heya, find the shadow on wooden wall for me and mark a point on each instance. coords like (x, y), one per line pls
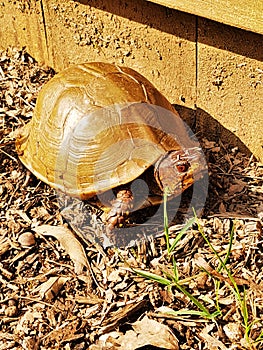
(197, 119)
(222, 36)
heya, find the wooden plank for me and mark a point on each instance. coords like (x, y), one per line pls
(229, 86)
(22, 25)
(160, 47)
(245, 14)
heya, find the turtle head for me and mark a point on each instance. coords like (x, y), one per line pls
(177, 170)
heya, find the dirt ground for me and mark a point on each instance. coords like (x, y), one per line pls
(60, 292)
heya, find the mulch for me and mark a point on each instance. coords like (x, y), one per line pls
(61, 292)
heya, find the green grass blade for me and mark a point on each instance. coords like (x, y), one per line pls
(165, 220)
(194, 300)
(190, 313)
(182, 232)
(229, 248)
(175, 269)
(235, 290)
(152, 276)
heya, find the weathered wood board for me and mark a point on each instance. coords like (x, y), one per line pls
(245, 14)
(22, 24)
(230, 84)
(126, 33)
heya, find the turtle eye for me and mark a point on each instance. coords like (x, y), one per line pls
(182, 168)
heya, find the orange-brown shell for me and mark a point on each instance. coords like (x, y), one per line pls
(95, 127)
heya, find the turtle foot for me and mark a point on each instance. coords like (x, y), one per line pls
(120, 209)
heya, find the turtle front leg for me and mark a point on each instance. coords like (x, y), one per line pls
(120, 209)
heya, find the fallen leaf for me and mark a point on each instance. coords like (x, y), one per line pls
(237, 187)
(212, 342)
(233, 331)
(66, 332)
(114, 276)
(50, 288)
(107, 341)
(208, 144)
(226, 300)
(90, 299)
(148, 332)
(69, 242)
(4, 246)
(222, 208)
(28, 318)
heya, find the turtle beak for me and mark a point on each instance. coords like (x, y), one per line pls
(180, 169)
(197, 167)
(197, 160)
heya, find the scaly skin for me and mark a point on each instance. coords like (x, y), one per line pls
(120, 209)
(174, 172)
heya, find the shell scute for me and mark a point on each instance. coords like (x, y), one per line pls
(95, 127)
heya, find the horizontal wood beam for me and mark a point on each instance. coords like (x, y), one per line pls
(244, 14)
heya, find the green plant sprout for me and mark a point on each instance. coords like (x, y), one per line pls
(173, 280)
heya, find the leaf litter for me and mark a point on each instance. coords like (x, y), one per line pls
(58, 292)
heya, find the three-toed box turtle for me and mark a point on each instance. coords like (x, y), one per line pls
(97, 127)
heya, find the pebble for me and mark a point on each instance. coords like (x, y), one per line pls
(27, 239)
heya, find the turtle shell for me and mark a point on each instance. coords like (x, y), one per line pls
(97, 126)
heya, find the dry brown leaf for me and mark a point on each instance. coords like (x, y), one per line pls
(67, 332)
(50, 288)
(26, 320)
(107, 341)
(222, 208)
(208, 143)
(212, 342)
(4, 246)
(90, 299)
(69, 242)
(233, 331)
(146, 332)
(237, 187)
(228, 300)
(149, 332)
